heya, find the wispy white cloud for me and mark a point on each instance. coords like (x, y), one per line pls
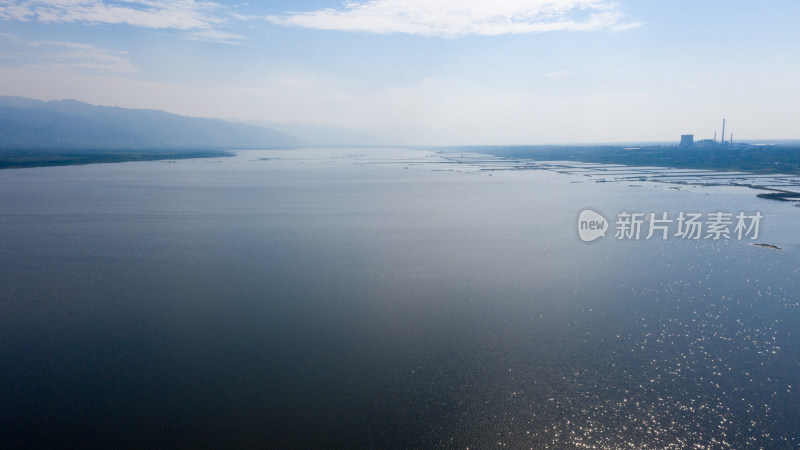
(88, 57)
(218, 36)
(459, 18)
(63, 56)
(559, 74)
(160, 14)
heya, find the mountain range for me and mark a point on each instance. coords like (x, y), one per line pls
(70, 124)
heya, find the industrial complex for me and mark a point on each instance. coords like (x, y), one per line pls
(687, 140)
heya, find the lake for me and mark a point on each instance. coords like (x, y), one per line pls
(385, 298)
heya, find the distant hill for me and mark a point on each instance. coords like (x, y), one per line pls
(70, 124)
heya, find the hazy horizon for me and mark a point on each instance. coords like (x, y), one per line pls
(418, 73)
(329, 136)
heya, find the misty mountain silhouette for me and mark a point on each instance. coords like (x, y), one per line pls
(70, 124)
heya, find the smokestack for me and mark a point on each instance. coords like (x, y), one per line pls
(715, 136)
(723, 131)
(731, 140)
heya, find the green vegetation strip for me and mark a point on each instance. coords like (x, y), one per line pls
(771, 159)
(17, 159)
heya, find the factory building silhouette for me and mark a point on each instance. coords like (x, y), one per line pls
(687, 140)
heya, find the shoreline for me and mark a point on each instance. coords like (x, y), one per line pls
(23, 159)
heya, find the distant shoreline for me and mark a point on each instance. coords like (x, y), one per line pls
(21, 159)
(768, 160)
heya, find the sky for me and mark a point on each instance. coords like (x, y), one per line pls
(425, 72)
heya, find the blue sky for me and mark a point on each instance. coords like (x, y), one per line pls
(425, 72)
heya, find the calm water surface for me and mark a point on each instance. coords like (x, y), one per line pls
(356, 298)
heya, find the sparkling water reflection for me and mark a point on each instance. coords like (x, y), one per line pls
(384, 298)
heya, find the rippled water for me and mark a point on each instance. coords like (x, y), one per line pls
(384, 298)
